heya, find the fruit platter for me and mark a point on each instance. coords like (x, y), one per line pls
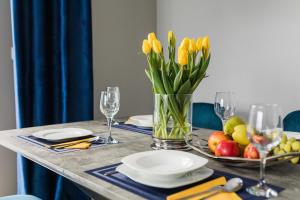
(232, 146)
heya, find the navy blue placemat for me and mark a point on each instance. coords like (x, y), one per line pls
(44, 143)
(153, 193)
(129, 127)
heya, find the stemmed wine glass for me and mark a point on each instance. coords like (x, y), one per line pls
(109, 106)
(224, 106)
(117, 92)
(264, 132)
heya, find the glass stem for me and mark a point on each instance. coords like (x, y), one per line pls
(109, 120)
(262, 167)
(223, 123)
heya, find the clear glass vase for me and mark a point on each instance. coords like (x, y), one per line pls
(172, 120)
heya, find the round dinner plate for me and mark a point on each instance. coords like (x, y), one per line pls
(189, 178)
(166, 164)
(290, 134)
(55, 135)
(143, 121)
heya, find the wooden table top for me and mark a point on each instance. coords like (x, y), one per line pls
(72, 165)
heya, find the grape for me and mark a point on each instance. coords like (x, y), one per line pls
(287, 148)
(295, 160)
(276, 150)
(292, 139)
(281, 146)
(296, 146)
(283, 138)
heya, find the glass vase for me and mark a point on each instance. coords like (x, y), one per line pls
(172, 120)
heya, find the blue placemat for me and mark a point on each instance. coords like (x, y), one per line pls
(129, 127)
(44, 143)
(153, 193)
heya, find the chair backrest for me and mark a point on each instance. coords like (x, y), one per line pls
(204, 116)
(291, 122)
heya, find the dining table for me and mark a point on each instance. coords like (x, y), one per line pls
(73, 165)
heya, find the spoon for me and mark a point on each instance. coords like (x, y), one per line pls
(232, 185)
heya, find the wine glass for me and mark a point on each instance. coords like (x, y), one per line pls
(224, 106)
(117, 91)
(264, 132)
(109, 106)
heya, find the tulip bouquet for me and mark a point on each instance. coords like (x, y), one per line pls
(171, 79)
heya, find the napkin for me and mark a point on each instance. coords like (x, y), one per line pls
(82, 145)
(203, 187)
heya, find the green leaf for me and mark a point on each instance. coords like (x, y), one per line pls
(177, 80)
(195, 85)
(165, 79)
(185, 88)
(148, 74)
(156, 80)
(194, 74)
(204, 66)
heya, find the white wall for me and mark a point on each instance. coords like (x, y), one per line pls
(118, 30)
(255, 47)
(7, 111)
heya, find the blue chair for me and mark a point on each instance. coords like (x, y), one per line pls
(204, 116)
(291, 122)
(19, 197)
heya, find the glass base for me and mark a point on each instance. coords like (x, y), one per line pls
(169, 144)
(111, 140)
(262, 190)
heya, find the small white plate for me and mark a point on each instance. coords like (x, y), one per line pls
(141, 121)
(55, 135)
(166, 164)
(190, 178)
(290, 134)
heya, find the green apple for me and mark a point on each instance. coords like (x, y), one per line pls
(231, 123)
(240, 134)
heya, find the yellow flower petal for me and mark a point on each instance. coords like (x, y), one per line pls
(185, 43)
(206, 43)
(171, 37)
(146, 47)
(151, 38)
(192, 46)
(182, 56)
(199, 44)
(157, 48)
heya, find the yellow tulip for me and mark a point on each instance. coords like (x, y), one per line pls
(151, 38)
(171, 37)
(182, 56)
(192, 46)
(157, 48)
(199, 44)
(185, 43)
(206, 43)
(146, 47)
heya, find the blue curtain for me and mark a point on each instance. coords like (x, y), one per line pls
(53, 79)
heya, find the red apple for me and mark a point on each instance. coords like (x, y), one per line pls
(251, 152)
(215, 138)
(228, 148)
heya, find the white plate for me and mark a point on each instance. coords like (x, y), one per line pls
(190, 178)
(141, 121)
(166, 164)
(292, 134)
(61, 134)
